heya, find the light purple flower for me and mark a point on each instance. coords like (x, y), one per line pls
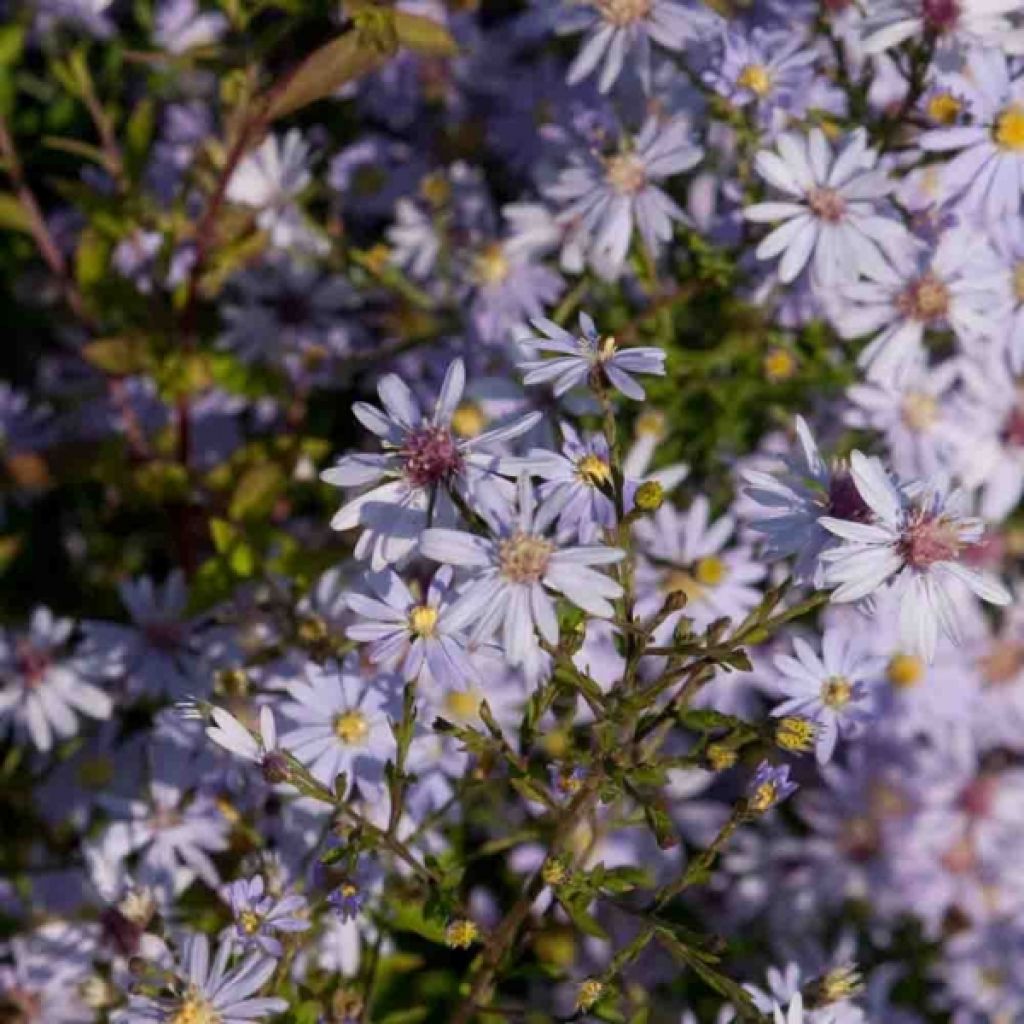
(986, 177)
(834, 688)
(409, 634)
(586, 358)
(259, 914)
(953, 23)
(341, 725)
(769, 786)
(42, 688)
(915, 542)
(830, 214)
(619, 33)
(513, 572)
(216, 992)
(603, 198)
(421, 457)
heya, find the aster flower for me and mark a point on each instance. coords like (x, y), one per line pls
(917, 418)
(989, 448)
(619, 33)
(955, 286)
(576, 484)
(586, 358)
(687, 552)
(181, 26)
(830, 212)
(409, 634)
(42, 689)
(507, 288)
(172, 836)
(341, 725)
(985, 177)
(953, 23)
(833, 688)
(1008, 241)
(603, 198)
(164, 651)
(769, 68)
(421, 454)
(795, 1013)
(270, 179)
(41, 982)
(914, 543)
(258, 915)
(513, 572)
(218, 992)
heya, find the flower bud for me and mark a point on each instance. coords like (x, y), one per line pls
(795, 734)
(589, 992)
(650, 496)
(461, 933)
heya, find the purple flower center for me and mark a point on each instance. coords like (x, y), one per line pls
(164, 635)
(928, 540)
(926, 299)
(119, 932)
(431, 454)
(827, 204)
(1012, 432)
(33, 663)
(940, 15)
(845, 501)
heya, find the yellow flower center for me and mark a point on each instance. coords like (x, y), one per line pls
(1018, 282)
(764, 797)
(836, 692)
(711, 571)
(779, 364)
(683, 582)
(919, 411)
(589, 993)
(196, 1010)
(491, 265)
(756, 78)
(626, 173)
(593, 470)
(523, 558)
(250, 921)
(624, 12)
(462, 705)
(423, 620)
(352, 728)
(925, 299)
(944, 108)
(1009, 131)
(469, 420)
(905, 671)
(651, 424)
(96, 772)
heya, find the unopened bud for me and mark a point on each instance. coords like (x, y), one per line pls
(650, 496)
(795, 734)
(276, 768)
(590, 991)
(233, 681)
(313, 631)
(554, 872)
(461, 934)
(834, 986)
(721, 757)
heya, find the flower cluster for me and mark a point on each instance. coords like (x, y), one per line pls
(512, 510)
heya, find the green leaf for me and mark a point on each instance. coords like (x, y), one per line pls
(412, 1016)
(706, 720)
(12, 40)
(117, 356)
(12, 214)
(424, 35)
(584, 921)
(257, 491)
(323, 72)
(410, 918)
(91, 259)
(659, 822)
(306, 1013)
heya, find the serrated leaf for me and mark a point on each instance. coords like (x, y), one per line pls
(12, 214)
(257, 491)
(424, 35)
(324, 72)
(118, 356)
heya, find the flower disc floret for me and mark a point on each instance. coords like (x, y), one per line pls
(524, 557)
